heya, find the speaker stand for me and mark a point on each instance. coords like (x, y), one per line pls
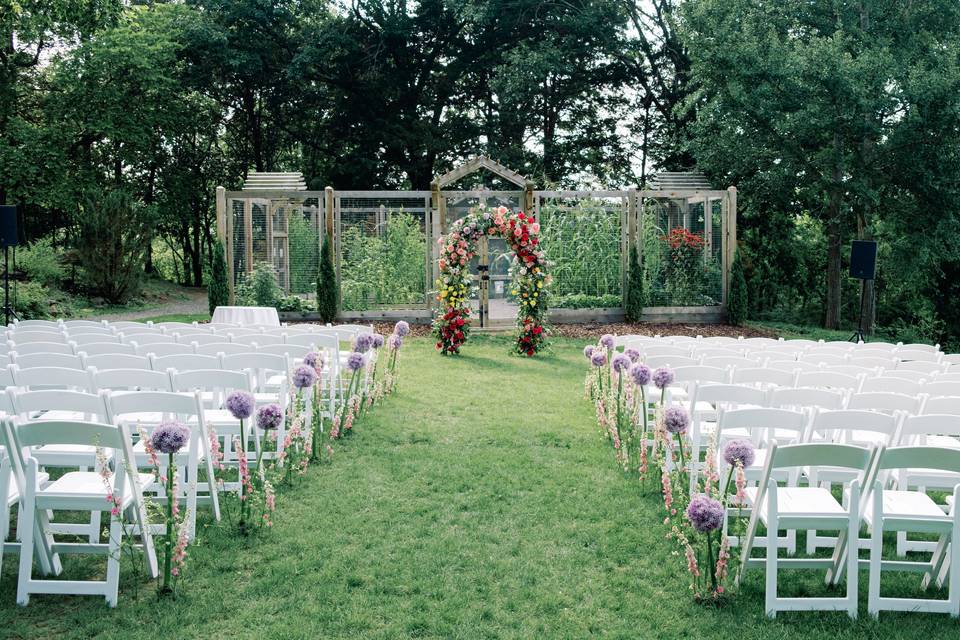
(858, 336)
(7, 309)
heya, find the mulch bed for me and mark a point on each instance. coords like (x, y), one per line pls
(595, 330)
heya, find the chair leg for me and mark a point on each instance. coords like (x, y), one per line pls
(114, 558)
(853, 559)
(25, 574)
(901, 544)
(953, 590)
(876, 563)
(771, 578)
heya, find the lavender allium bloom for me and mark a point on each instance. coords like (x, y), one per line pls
(394, 342)
(240, 405)
(355, 361)
(633, 354)
(620, 362)
(269, 417)
(598, 359)
(640, 374)
(607, 340)
(402, 328)
(741, 451)
(314, 359)
(304, 376)
(169, 437)
(377, 341)
(363, 342)
(588, 351)
(676, 419)
(662, 377)
(705, 513)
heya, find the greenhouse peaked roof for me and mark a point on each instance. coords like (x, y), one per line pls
(475, 164)
(679, 181)
(275, 181)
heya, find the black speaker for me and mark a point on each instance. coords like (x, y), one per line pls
(8, 226)
(863, 259)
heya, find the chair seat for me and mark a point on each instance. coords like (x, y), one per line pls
(89, 484)
(68, 455)
(13, 494)
(799, 502)
(907, 504)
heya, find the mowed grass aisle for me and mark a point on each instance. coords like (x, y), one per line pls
(479, 502)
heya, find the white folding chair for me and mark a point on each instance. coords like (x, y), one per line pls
(30, 325)
(907, 511)
(937, 387)
(795, 508)
(293, 351)
(717, 396)
(807, 397)
(26, 337)
(131, 380)
(51, 378)
(674, 361)
(824, 359)
(134, 409)
(185, 362)
(886, 402)
(225, 348)
(763, 377)
(82, 339)
(74, 491)
(33, 360)
(98, 348)
(873, 362)
(733, 362)
(792, 366)
(164, 349)
(198, 339)
(250, 340)
(131, 326)
(172, 327)
(918, 355)
(926, 368)
(150, 338)
(892, 385)
(117, 361)
(32, 348)
(949, 405)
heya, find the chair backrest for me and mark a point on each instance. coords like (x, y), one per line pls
(666, 350)
(132, 379)
(804, 397)
(951, 358)
(885, 401)
(918, 355)
(31, 348)
(763, 422)
(52, 378)
(304, 339)
(144, 339)
(219, 382)
(226, 348)
(117, 361)
(824, 359)
(828, 380)
(89, 324)
(251, 339)
(30, 403)
(853, 370)
(875, 347)
(261, 365)
(290, 350)
(130, 326)
(240, 331)
(792, 365)
(722, 340)
(731, 361)
(172, 326)
(915, 429)
(919, 346)
(716, 352)
(198, 339)
(98, 348)
(921, 367)
(655, 362)
(35, 325)
(764, 376)
(816, 454)
(183, 406)
(25, 337)
(891, 385)
(698, 374)
(103, 330)
(942, 404)
(844, 422)
(164, 349)
(783, 351)
(872, 361)
(762, 342)
(29, 361)
(184, 362)
(919, 457)
(729, 394)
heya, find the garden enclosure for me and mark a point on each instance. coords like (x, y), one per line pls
(385, 242)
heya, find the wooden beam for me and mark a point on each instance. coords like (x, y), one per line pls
(328, 210)
(222, 214)
(228, 252)
(248, 233)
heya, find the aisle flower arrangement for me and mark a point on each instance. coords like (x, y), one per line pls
(649, 435)
(528, 271)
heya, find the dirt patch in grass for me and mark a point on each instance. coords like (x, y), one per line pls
(591, 330)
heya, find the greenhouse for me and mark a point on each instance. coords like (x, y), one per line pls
(385, 243)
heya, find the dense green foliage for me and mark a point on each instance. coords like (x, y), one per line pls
(328, 293)
(737, 293)
(582, 243)
(383, 268)
(304, 244)
(218, 289)
(636, 287)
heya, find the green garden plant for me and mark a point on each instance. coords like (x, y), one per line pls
(40, 261)
(737, 294)
(218, 290)
(636, 287)
(328, 294)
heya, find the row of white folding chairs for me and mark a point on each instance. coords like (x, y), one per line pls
(38, 340)
(765, 342)
(812, 353)
(866, 500)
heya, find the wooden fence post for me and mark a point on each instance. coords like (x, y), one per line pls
(729, 238)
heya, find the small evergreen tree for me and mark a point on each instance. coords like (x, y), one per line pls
(328, 295)
(264, 285)
(636, 287)
(218, 289)
(737, 294)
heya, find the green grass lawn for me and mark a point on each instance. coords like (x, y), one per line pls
(478, 502)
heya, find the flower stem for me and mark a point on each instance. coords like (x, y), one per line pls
(171, 526)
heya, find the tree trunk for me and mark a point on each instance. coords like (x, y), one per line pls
(197, 252)
(832, 316)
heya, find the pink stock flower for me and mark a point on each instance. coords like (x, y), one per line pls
(692, 566)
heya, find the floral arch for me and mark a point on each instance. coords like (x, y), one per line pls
(528, 271)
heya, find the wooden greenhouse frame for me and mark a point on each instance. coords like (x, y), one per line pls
(276, 191)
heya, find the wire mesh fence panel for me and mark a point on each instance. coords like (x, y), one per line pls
(302, 248)
(583, 238)
(382, 250)
(681, 265)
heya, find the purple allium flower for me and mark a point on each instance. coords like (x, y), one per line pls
(676, 419)
(705, 513)
(620, 362)
(598, 359)
(169, 437)
(402, 328)
(588, 351)
(304, 376)
(633, 354)
(662, 377)
(640, 374)
(377, 341)
(394, 342)
(314, 359)
(607, 340)
(354, 361)
(363, 342)
(240, 404)
(269, 417)
(741, 451)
